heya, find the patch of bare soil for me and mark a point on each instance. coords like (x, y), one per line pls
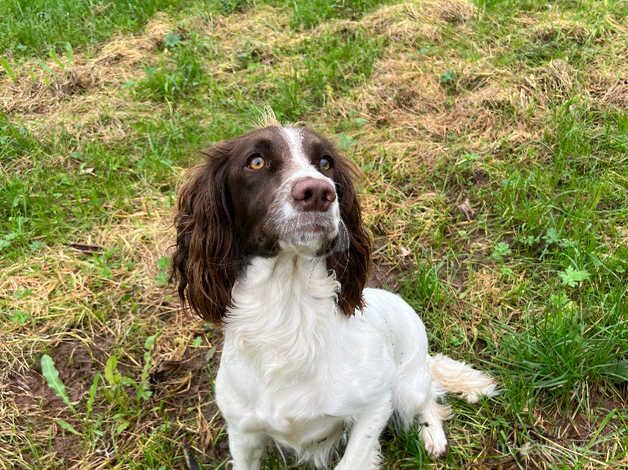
(77, 361)
(33, 404)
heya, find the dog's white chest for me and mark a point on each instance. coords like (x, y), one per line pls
(293, 367)
(298, 428)
(294, 413)
(304, 404)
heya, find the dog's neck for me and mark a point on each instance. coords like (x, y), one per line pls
(283, 310)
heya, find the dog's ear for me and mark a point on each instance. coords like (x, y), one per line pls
(351, 265)
(207, 261)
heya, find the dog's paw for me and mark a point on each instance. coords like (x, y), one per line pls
(434, 440)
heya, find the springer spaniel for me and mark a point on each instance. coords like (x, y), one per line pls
(270, 244)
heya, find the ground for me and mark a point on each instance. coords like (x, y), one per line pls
(492, 137)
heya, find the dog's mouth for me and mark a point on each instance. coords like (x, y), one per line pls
(310, 233)
(321, 228)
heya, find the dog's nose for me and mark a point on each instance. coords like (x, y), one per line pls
(313, 194)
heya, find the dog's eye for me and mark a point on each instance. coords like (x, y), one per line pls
(324, 163)
(256, 162)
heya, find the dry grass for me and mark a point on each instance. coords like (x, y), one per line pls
(84, 93)
(68, 290)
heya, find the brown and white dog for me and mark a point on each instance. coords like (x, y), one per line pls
(270, 244)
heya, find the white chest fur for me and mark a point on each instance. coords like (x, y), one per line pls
(294, 367)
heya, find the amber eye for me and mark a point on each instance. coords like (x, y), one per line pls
(324, 163)
(256, 162)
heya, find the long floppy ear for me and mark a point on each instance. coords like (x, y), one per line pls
(352, 265)
(207, 260)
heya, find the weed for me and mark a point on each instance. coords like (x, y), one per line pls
(51, 374)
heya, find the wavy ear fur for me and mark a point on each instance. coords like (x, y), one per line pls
(351, 266)
(207, 260)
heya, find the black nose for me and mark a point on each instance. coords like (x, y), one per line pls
(313, 194)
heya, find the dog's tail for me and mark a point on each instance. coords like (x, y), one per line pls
(462, 379)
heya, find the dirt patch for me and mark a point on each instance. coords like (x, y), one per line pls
(184, 363)
(576, 430)
(31, 404)
(77, 361)
(68, 447)
(187, 376)
(29, 391)
(181, 380)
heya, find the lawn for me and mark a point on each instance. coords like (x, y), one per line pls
(493, 140)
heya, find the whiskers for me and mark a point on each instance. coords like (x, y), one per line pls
(339, 245)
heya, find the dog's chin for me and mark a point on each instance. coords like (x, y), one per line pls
(310, 239)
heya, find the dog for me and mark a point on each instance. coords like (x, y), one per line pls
(271, 245)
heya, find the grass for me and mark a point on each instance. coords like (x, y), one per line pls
(327, 65)
(492, 137)
(34, 27)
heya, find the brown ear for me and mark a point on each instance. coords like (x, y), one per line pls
(352, 265)
(207, 260)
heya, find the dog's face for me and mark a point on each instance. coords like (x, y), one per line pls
(271, 190)
(284, 185)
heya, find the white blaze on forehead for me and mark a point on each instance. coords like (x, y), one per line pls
(294, 139)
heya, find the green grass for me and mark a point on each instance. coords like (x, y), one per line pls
(176, 75)
(35, 26)
(45, 203)
(310, 14)
(328, 65)
(501, 220)
(305, 14)
(39, 205)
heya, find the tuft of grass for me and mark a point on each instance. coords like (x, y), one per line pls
(566, 349)
(424, 289)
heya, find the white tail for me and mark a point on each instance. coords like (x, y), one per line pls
(460, 378)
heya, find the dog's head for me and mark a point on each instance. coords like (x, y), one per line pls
(271, 190)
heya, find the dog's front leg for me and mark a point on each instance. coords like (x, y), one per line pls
(362, 452)
(247, 449)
